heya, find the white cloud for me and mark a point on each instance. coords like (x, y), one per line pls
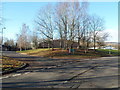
(113, 35)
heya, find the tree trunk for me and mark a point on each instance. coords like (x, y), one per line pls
(79, 43)
(20, 49)
(48, 45)
(43, 44)
(94, 43)
(61, 43)
(52, 44)
(64, 44)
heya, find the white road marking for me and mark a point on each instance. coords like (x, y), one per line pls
(16, 75)
(4, 77)
(26, 72)
(65, 81)
(13, 75)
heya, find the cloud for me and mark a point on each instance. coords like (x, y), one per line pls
(113, 35)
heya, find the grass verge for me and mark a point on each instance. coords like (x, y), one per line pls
(8, 63)
(58, 53)
(106, 52)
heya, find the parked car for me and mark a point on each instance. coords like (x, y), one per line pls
(109, 47)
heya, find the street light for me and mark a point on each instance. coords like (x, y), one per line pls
(2, 39)
(2, 34)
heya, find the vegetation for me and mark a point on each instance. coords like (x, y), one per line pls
(107, 52)
(70, 21)
(59, 53)
(33, 50)
(8, 63)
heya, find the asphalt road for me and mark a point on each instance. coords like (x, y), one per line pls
(63, 73)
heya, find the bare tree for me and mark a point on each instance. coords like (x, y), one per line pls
(19, 42)
(34, 40)
(71, 22)
(66, 22)
(1, 17)
(100, 39)
(81, 23)
(58, 24)
(9, 42)
(74, 8)
(62, 21)
(97, 25)
(22, 37)
(45, 24)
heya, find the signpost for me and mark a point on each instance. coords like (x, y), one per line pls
(71, 50)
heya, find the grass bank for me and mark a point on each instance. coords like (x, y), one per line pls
(58, 53)
(33, 51)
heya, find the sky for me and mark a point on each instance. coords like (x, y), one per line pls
(17, 13)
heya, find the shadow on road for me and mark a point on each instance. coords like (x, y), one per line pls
(50, 73)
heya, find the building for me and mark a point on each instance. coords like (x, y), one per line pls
(56, 44)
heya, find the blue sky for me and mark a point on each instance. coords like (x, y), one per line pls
(17, 13)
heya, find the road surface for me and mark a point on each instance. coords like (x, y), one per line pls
(63, 73)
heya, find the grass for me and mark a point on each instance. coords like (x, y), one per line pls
(33, 50)
(42, 52)
(106, 52)
(8, 63)
(58, 53)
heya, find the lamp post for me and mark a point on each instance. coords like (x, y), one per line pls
(2, 39)
(2, 34)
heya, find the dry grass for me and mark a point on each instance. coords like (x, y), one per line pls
(78, 54)
(58, 53)
(7, 63)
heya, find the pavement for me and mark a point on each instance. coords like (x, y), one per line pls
(62, 73)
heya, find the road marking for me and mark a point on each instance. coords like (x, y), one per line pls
(4, 77)
(65, 81)
(13, 75)
(26, 72)
(16, 75)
